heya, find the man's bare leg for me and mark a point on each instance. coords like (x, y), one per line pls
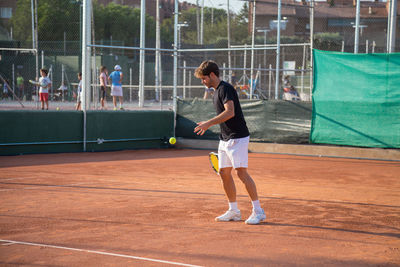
(233, 214)
(228, 183)
(248, 182)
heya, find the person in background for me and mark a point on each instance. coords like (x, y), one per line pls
(116, 86)
(79, 92)
(20, 86)
(103, 85)
(6, 90)
(45, 84)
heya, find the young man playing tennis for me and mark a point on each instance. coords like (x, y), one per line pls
(234, 141)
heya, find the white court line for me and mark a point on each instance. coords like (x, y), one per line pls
(98, 252)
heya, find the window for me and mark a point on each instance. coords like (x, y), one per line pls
(273, 24)
(5, 12)
(340, 22)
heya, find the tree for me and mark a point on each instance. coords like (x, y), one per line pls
(58, 16)
(121, 22)
(328, 41)
(54, 18)
(240, 23)
(243, 16)
(167, 31)
(21, 21)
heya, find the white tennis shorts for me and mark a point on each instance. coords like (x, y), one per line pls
(116, 90)
(233, 153)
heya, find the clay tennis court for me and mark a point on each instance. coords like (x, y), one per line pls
(157, 208)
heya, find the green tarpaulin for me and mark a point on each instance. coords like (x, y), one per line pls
(356, 99)
(279, 121)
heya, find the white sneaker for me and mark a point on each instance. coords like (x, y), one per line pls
(230, 215)
(256, 218)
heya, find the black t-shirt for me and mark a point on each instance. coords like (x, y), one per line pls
(234, 127)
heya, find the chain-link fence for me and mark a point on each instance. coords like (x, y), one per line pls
(57, 33)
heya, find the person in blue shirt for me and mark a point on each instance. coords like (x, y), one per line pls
(116, 86)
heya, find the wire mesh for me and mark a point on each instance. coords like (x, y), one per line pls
(57, 35)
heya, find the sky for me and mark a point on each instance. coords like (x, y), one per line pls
(234, 5)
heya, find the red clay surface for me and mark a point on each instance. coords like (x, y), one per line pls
(105, 209)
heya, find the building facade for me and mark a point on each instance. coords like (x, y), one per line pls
(330, 16)
(167, 7)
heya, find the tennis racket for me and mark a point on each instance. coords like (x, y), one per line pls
(214, 161)
(33, 82)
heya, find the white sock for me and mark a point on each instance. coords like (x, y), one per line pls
(233, 206)
(256, 206)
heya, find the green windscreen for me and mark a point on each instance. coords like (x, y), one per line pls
(356, 99)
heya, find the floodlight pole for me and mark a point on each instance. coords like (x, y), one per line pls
(388, 28)
(229, 43)
(36, 44)
(265, 31)
(175, 78)
(33, 24)
(202, 23)
(311, 44)
(198, 21)
(141, 53)
(278, 48)
(86, 35)
(357, 29)
(157, 59)
(37, 37)
(252, 50)
(34, 35)
(34, 47)
(391, 32)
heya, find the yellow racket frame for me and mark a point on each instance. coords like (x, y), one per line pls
(214, 161)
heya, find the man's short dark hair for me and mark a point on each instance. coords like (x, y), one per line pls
(205, 68)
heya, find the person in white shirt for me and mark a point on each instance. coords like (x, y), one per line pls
(45, 84)
(79, 92)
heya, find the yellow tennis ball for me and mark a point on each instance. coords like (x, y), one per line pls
(58, 108)
(172, 140)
